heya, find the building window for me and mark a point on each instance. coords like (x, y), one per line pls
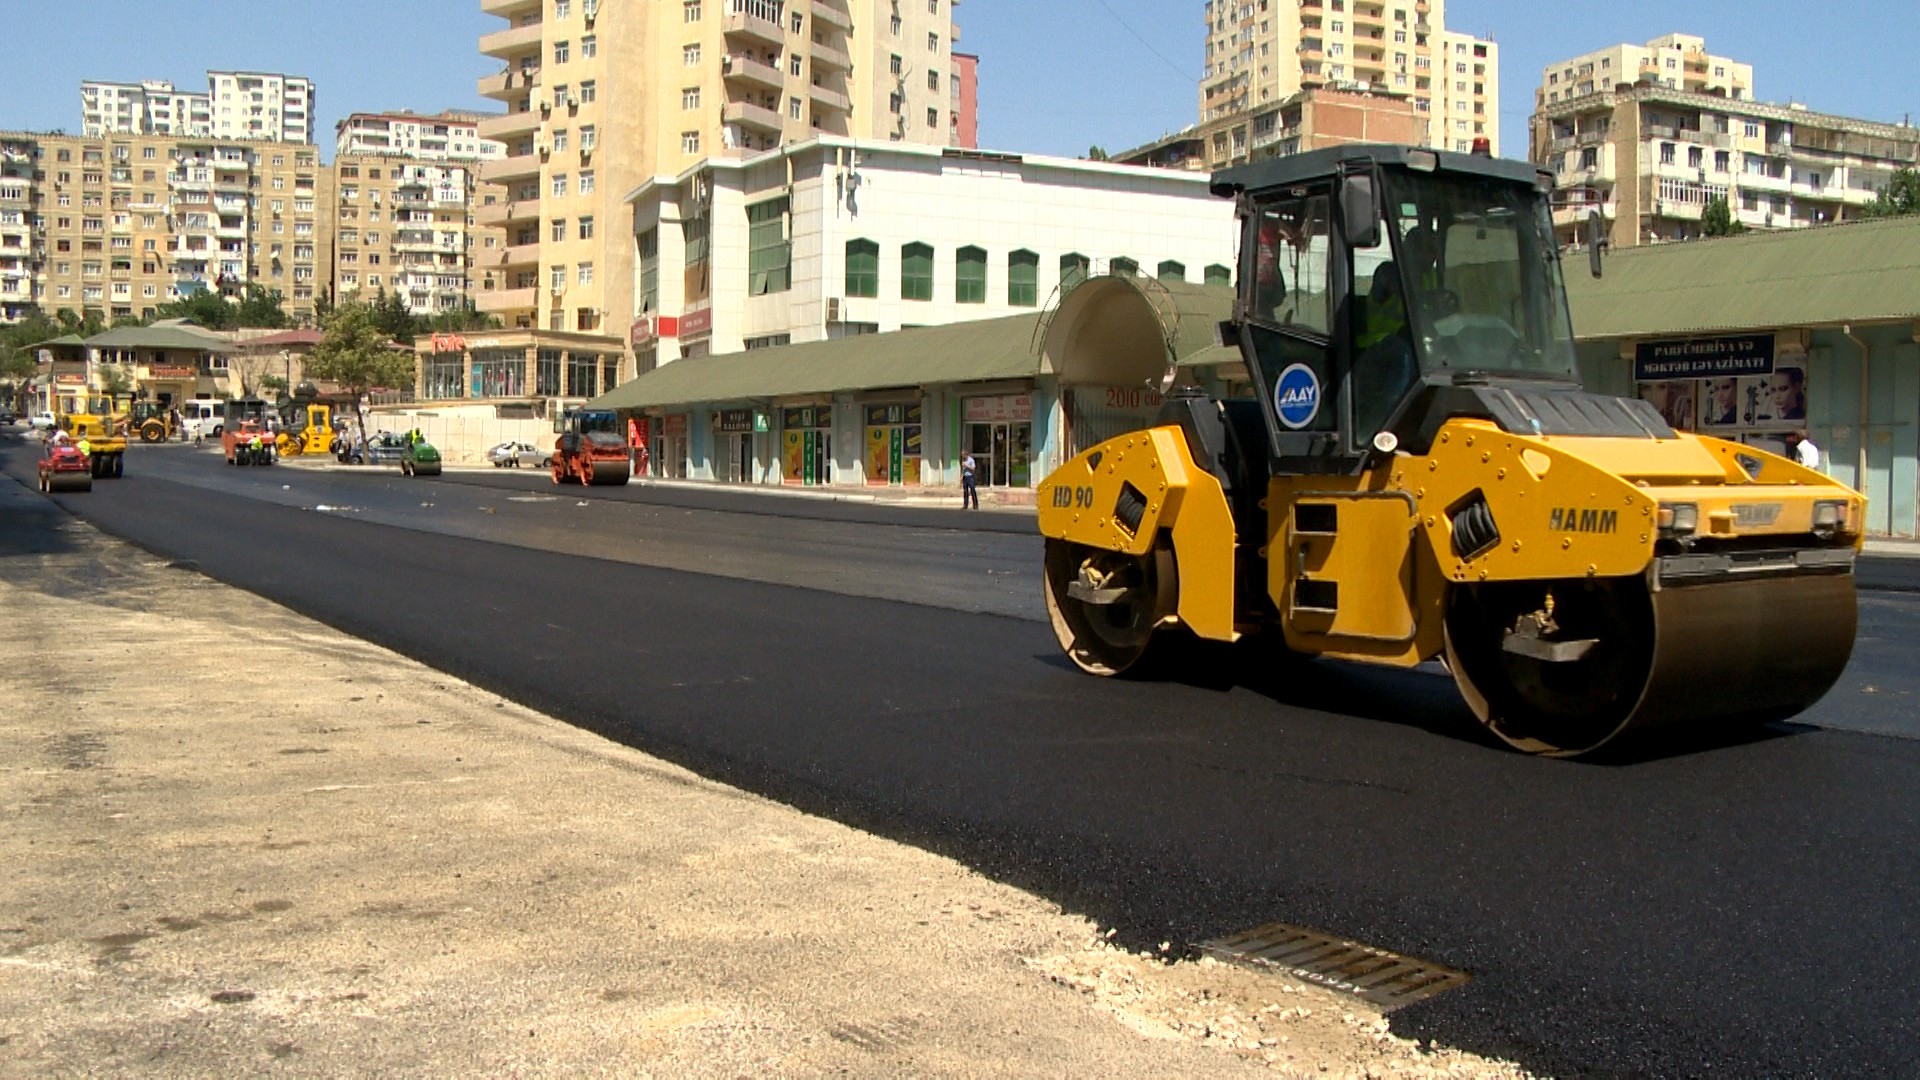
(970, 276)
(586, 228)
(933, 42)
(690, 11)
(933, 118)
(793, 108)
(895, 66)
(916, 272)
(588, 139)
(690, 98)
(1666, 153)
(649, 244)
(1073, 270)
(559, 229)
(562, 9)
(769, 251)
(559, 185)
(1171, 271)
(690, 55)
(1023, 279)
(586, 182)
(933, 81)
(689, 142)
(589, 47)
(560, 52)
(589, 92)
(557, 279)
(863, 268)
(586, 273)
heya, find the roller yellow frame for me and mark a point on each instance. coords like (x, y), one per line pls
(1422, 477)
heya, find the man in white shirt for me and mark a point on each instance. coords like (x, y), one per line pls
(1804, 451)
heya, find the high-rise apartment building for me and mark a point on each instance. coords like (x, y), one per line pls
(261, 105)
(154, 107)
(1261, 53)
(447, 136)
(400, 228)
(965, 84)
(123, 223)
(237, 105)
(603, 96)
(1648, 137)
(1676, 61)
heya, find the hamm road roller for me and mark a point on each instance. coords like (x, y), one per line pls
(1419, 474)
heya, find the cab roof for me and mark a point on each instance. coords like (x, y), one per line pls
(1329, 162)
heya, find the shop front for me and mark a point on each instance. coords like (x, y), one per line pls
(739, 436)
(806, 445)
(998, 432)
(670, 449)
(1748, 388)
(894, 443)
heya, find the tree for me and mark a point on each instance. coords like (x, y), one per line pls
(17, 359)
(358, 353)
(1900, 197)
(1716, 218)
(391, 313)
(205, 308)
(1097, 153)
(462, 319)
(262, 307)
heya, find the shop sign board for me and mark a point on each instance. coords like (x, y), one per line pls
(806, 416)
(674, 425)
(641, 332)
(762, 423)
(449, 343)
(1005, 408)
(1703, 358)
(736, 421)
(172, 371)
(695, 323)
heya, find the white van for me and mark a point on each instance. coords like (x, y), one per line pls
(202, 419)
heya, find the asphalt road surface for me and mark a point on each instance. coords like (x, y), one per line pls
(1742, 907)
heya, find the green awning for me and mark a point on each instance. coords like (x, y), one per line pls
(982, 351)
(1858, 272)
(170, 338)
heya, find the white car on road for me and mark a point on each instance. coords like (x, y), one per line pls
(44, 421)
(512, 455)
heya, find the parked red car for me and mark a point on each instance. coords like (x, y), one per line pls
(64, 468)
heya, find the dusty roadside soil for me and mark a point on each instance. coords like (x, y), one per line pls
(281, 850)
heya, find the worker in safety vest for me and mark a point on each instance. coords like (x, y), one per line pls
(86, 448)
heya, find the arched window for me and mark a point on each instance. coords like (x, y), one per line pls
(1023, 279)
(1073, 270)
(863, 268)
(916, 272)
(970, 276)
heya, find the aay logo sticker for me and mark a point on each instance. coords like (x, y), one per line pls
(1296, 397)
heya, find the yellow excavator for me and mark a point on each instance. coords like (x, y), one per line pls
(1419, 475)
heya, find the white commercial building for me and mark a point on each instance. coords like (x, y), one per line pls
(838, 237)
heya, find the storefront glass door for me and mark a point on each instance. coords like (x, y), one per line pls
(1001, 453)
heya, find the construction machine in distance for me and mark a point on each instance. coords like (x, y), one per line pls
(101, 420)
(152, 420)
(244, 435)
(306, 423)
(590, 449)
(1426, 478)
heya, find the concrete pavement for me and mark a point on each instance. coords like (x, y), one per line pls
(242, 841)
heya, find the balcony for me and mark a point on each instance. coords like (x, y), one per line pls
(749, 115)
(494, 301)
(413, 240)
(508, 43)
(510, 84)
(509, 9)
(758, 20)
(831, 13)
(745, 69)
(830, 98)
(1576, 213)
(517, 167)
(500, 213)
(520, 255)
(826, 56)
(513, 124)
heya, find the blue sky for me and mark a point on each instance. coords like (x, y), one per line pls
(1057, 76)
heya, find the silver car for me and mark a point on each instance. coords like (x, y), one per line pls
(512, 455)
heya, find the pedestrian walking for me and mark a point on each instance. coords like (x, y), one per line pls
(969, 486)
(1804, 451)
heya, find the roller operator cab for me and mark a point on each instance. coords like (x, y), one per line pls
(1418, 474)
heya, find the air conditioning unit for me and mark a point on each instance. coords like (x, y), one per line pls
(559, 290)
(726, 65)
(546, 108)
(591, 9)
(833, 309)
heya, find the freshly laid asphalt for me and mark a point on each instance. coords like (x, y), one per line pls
(1742, 907)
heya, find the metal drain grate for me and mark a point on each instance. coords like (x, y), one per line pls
(1387, 979)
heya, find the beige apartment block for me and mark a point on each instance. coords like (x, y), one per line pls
(603, 96)
(1309, 120)
(1260, 53)
(452, 135)
(401, 227)
(123, 223)
(1675, 61)
(1649, 158)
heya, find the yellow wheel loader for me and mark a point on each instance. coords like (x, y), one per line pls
(1418, 475)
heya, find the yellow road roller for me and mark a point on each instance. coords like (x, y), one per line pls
(1418, 474)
